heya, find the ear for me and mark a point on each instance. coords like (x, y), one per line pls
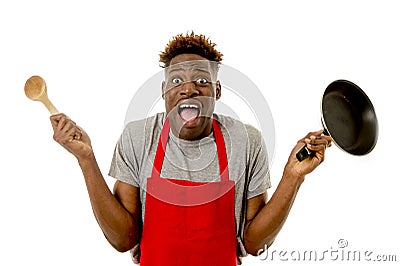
(218, 90)
(163, 89)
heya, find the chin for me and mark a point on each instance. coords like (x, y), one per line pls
(194, 129)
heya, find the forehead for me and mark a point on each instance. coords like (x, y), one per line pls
(190, 67)
(191, 64)
(181, 58)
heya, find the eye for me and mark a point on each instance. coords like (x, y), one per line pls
(202, 81)
(176, 81)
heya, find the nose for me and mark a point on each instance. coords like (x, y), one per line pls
(189, 89)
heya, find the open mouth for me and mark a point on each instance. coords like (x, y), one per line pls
(189, 112)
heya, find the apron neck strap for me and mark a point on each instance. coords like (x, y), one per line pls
(219, 140)
(221, 150)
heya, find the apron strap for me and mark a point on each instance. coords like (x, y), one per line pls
(162, 144)
(221, 150)
(219, 140)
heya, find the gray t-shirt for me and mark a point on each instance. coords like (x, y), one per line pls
(196, 160)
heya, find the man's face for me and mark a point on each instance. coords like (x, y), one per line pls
(190, 90)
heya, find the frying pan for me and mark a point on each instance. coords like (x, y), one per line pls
(349, 117)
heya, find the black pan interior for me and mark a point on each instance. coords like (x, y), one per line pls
(349, 117)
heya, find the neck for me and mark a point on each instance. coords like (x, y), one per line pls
(193, 133)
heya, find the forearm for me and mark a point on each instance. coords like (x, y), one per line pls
(118, 225)
(261, 231)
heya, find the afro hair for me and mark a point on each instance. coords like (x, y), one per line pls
(189, 44)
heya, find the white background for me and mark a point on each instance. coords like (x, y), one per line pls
(95, 54)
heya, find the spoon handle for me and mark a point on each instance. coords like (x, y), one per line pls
(52, 109)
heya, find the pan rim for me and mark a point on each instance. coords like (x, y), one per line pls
(371, 109)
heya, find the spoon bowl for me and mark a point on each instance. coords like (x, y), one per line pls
(36, 90)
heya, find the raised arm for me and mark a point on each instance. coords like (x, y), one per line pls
(117, 214)
(265, 219)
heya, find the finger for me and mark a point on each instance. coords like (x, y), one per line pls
(310, 134)
(71, 135)
(77, 134)
(73, 132)
(68, 127)
(318, 152)
(61, 123)
(315, 133)
(316, 148)
(54, 119)
(318, 144)
(329, 139)
(66, 130)
(57, 117)
(317, 141)
(65, 124)
(53, 122)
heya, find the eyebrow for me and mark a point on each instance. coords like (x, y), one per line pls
(183, 69)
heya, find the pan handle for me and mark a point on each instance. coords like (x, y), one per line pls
(303, 153)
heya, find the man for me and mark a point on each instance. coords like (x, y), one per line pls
(191, 185)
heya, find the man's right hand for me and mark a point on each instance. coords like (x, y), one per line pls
(71, 137)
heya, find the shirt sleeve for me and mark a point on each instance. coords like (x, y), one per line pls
(124, 165)
(259, 166)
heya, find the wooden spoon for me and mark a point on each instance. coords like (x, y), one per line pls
(36, 90)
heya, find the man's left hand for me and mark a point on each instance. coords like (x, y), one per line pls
(316, 143)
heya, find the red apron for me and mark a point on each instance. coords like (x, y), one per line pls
(189, 223)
